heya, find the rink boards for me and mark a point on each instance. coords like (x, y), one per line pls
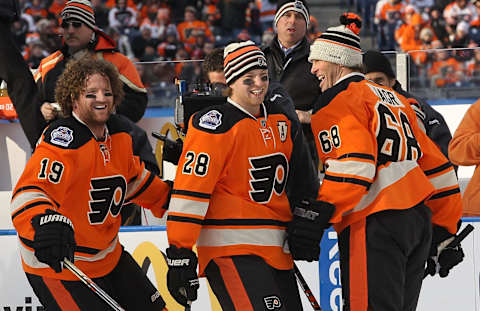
(460, 291)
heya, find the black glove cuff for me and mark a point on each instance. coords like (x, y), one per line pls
(181, 257)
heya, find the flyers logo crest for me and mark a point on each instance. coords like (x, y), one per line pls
(107, 195)
(272, 302)
(269, 175)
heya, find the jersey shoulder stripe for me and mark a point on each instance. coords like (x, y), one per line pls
(218, 119)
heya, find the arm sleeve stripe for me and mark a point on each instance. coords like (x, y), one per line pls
(351, 180)
(194, 194)
(245, 222)
(80, 249)
(29, 206)
(144, 187)
(32, 188)
(438, 169)
(445, 194)
(25, 241)
(184, 219)
(357, 155)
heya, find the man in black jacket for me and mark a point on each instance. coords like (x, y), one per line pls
(378, 69)
(287, 60)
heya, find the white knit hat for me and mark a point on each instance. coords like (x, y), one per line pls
(338, 45)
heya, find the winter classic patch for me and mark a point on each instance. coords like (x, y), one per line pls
(61, 136)
(211, 120)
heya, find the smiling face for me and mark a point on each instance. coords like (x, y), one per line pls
(95, 104)
(328, 73)
(250, 89)
(291, 28)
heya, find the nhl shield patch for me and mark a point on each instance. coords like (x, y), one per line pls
(211, 120)
(282, 130)
(61, 136)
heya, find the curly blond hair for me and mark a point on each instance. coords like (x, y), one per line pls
(73, 81)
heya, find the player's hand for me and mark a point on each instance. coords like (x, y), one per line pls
(49, 110)
(172, 150)
(182, 278)
(442, 257)
(54, 239)
(310, 219)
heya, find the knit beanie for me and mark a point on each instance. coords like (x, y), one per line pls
(81, 10)
(239, 58)
(375, 61)
(340, 44)
(300, 6)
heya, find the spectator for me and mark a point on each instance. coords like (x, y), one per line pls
(101, 14)
(408, 35)
(439, 25)
(37, 10)
(463, 150)
(378, 69)
(122, 17)
(473, 68)
(287, 60)
(191, 23)
(167, 50)
(123, 43)
(457, 11)
(391, 16)
(212, 68)
(82, 37)
(37, 53)
(267, 13)
(142, 41)
(233, 18)
(445, 71)
(48, 32)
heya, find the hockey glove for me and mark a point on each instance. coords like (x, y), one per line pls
(442, 257)
(54, 239)
(310, 219)
(182, 278)
(172, 150)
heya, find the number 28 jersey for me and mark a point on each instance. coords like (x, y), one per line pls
(231, 183)
(87, 181)
(377, 158)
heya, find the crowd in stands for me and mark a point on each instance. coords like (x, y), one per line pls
(175, 30)
(154, 30)
(414, 25)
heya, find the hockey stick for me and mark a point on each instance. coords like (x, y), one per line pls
(306, 289)
(92, 285)
(456, 241)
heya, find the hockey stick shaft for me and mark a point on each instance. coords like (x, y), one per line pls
(306, 289)
(92, 285)
(458, 239)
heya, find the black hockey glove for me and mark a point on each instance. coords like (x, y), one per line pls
(172, 150)
(442, 257)
(310, 219)
(182, 278)
(54, 239)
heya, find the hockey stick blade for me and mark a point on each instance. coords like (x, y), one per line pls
(457, 240)
(92, 285)
(306, 289)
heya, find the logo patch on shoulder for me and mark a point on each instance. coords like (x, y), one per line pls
(61, 136)
(211, 120)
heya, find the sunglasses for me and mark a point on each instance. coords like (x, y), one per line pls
(75, 24)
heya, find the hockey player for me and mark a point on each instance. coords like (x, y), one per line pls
(241, 164)
(67, 202)
(387, 180)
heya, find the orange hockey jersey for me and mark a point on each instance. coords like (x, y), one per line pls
(377, 158)
(232, 182)
(88, 181)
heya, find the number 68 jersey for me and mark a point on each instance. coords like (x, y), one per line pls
(377, 157)
(232, 181)
(87, 181)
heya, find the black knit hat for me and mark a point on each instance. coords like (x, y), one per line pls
(300, 6)
(375, 61)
